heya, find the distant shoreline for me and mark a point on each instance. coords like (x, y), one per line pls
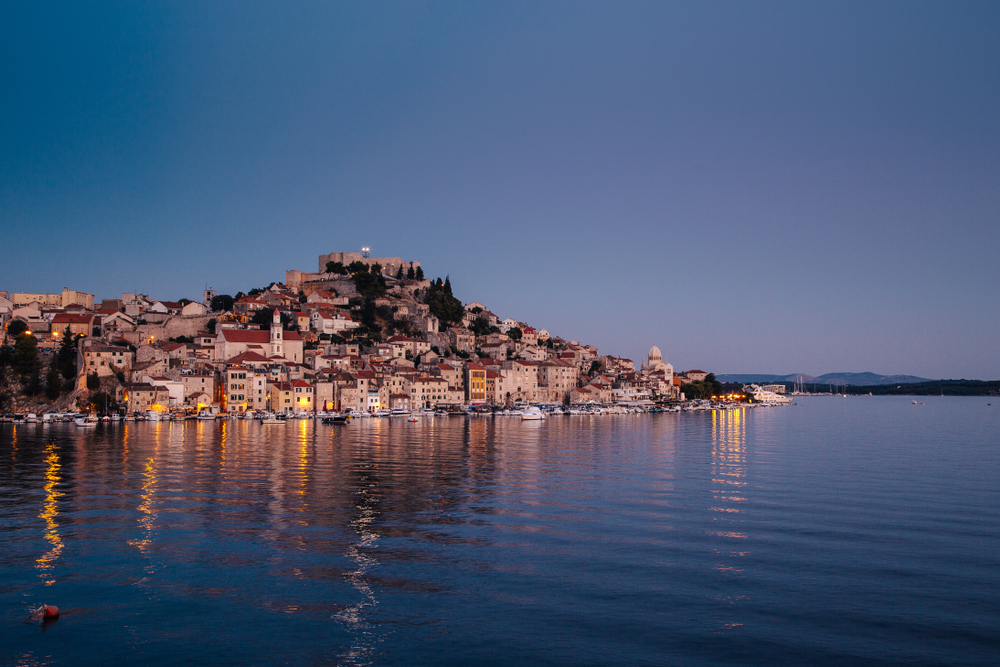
(933, 388)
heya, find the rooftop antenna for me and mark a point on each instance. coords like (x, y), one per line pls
(366, 251)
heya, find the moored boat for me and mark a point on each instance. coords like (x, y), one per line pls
(532, 414)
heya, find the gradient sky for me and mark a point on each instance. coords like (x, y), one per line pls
(754, 187)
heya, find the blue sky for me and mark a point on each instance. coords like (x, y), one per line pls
(754, 187)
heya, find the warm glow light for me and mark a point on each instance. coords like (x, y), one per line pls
(50, 510)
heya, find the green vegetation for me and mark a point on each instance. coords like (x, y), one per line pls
(481, 327)
(16, 328)
(370, 285)
(337, 268)
(515, 334)
(26, 361)
(442, 304)
(53, 381)
(706, 388)
(66, 356)
(221, 302)
(264, 316)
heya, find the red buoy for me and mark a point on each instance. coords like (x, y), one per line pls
(50, 611)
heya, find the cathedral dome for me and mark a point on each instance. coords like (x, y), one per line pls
(655, 356)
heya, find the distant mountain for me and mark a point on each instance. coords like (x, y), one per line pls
(867, 379)
(861, 379)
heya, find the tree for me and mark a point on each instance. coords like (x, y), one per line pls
(53, 381)
(419, 274)
(16, 328)
(356, 267)
(184, 302)
(481, 326)
(369, 285)
(399, 273)
(302, 296)
(264, 316)
(221, 302)
(26, 360)
(66, 356)
(210, 325)
(34, 385)
(595, 366)
(515, 334)
(336, 267)
(442, 304)
(93, 382)
(409, 272)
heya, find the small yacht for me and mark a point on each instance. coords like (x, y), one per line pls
(86, 420)
(152, 416)
(532, 414)
(205, 415)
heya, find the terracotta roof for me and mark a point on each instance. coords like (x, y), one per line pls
(246, 336)
(68, 318)
(246, 357)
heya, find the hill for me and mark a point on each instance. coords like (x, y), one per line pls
(866, 379)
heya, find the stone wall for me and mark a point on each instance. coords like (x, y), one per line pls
(174, 326)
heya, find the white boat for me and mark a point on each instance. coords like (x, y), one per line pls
(86, 420)
(152, 416)
(768, 394)
(205, 415)
(31, 418)
(49, 417)
(399, 412)
(532, 414)
(272, 421)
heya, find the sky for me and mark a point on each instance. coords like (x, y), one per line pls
(755, 187)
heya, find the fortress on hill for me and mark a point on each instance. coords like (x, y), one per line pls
(390, 265)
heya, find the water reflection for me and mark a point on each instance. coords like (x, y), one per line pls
(147, 510)
(729, 466)
(356, 618)
(50, 510)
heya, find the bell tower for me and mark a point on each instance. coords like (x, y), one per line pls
(276, 337)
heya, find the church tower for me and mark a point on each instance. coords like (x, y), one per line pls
(276, 337)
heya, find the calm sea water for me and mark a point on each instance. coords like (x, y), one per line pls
(832, 532)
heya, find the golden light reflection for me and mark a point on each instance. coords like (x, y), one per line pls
(303, 456)
(147, 509)
(50, 510)
(728, 470)
(223, 441)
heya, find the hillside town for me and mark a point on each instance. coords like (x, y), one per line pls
(359, 335)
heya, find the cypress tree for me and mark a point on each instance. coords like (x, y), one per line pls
(53, 382)
(26, 355)
(66, 356)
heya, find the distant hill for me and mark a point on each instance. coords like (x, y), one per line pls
(862, 379)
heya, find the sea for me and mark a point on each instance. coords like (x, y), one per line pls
(834, 531)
